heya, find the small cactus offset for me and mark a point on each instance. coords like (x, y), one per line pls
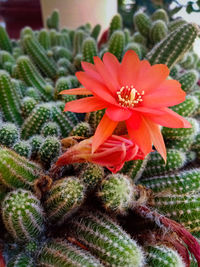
(23, 148)
(53, 20)
(23, 215)
(156, 165)
(163, 256)
(79, 36)
(35, 142)
(160, 14)
(28, 104)
(180, 183)
(165, 51)
(33, 124)
(9, 134)
(89, 50)
(116, 44)
(44, 39)
(158, 31)
(95, 31)
(21, 260)
(115, 24)
(59, 253)
(5, 42)
(50, 129)
(16, 171)
(49, 150)
(142, 23)
(10, 103)
(105, 239)
(64, 198)
(116, 193)
(82, 129)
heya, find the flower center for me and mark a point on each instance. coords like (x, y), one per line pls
(129, 97)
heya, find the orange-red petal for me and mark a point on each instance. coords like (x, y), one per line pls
(169, 93)
(170, 119)
(118, 113)
(156, 138)
(103, 131)
(83, 105)
(76, 91)
(112, 65)
(153, 77)
(134, 121)
(97, 88)
(129, 69)
(91, 70)
(141, 137)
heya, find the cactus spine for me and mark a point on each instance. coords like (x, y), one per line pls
(9, 134)
(23, 148)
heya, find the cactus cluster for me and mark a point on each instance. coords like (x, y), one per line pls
(82, 214)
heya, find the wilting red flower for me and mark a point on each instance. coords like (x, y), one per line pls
(134, 92)
(112, 153)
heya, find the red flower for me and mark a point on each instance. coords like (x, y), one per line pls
(112, 153)
(134, 92)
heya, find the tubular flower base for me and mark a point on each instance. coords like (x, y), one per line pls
(134, 92)
(113, 153)
(187, 238)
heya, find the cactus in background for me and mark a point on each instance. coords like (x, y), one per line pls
(62, 83)
(82, 129)
(188, 80)
(16, 171)
(79, 36)
(156, 165)
(59, 253)
(22, 215)
(10, 103)
(5, 43)
(174, 72)
(142, 23)
(139, 38)
(21, 260)
(33, 93)
(115, 24)
(5, 56)
(91, 175)
(116, 44)
(28, 104)
(9, 134)
(95, 31)
(160, 14)
(19, 88)
(44, 39)
(165, 51)
(175, 24)
(181, 133)
(187, 62)
(53, 20)
(89, 49)
(181, 183)
(31, 76)
(39, 56)
(163, 256)
(64, 198)
(181, 208)
(135, 47)
(183, 145)
(35, 142)
(188, 107)
(116, 193)
(107, 240)
(93, 118)
(33, 124)
(23, 148)
(50, 129)
(158, 31)
(49, 150)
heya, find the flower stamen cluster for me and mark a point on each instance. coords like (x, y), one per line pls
(129, 97)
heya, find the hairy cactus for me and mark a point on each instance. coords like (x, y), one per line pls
(183, 145)
(64, 198)
(62, 83)
(9, 100)
(16, 171)
(105, 239)
(163, 256)
(156, 165)
(188, 107)
(53, 20)
(5, 56)
(180, 183)
(165, 51)
(115, 24)
(59, 253)
(39, 56)
(50, 129)
(5, 43)
(21, 260)
(116, 193)
(158, 31)
(82, 129)
(31, 76)
(33, 93)
(23, 148)
(91, 175)
(22, 215)
(142, 23)
(160, 14)
(116, 44)
(44, 39)
(181, 208)
(9, 134)
(89, 49)
(49, 150)
(35, 142)
(33, 124)
(28, 104)
(188, 80)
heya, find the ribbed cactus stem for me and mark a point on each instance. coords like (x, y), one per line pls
(158, 31)
(9, 134)
(28, 104)
(5, 43)
(160, 14)
(21, 260)
(188, 80)
(95, 31)
(116, 44)
(44, 39)
(188, 107)
(82, 129)
(89, 49)
(115, 24)
(142, 23)
(23, 148)
(23, 215)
